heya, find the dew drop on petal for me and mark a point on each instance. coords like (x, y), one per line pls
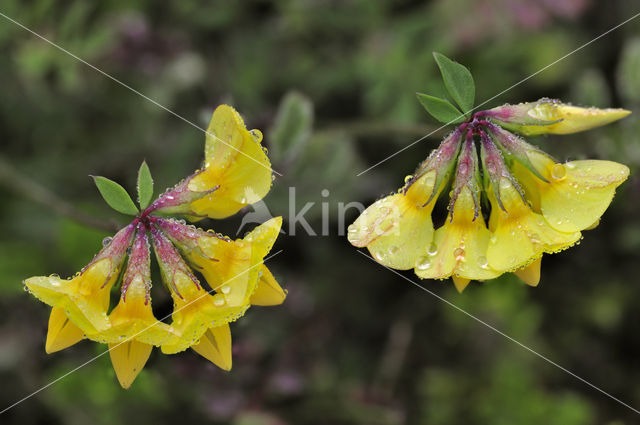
(483, 262)
(558, 172)
(433, 249)
(106, 241)
(225, 289)
(423, 263)
(505, 184)
(459, 254)
(393, 249)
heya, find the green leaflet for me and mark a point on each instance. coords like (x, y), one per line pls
(145, 186)
(115, 195)
(458, 81)
(441, 109)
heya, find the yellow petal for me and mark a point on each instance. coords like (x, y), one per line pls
(398, 229)
(460, 283)
(459, 247)
(231, 268)
(574, 118)
(62, 332)
(215, 346)
(578, 192)
(133, 318)
(85, 298)
(268, 291)
(194, 312)
(236, 162)
(531, 273)
(128, 359)
(519, 234)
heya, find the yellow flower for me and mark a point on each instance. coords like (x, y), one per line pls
(520, 235)
(194, 309)
(459, 246)
(548, 116)
(235, 163)
(397, 230)
(232, 268)
(236, 173)
(576, 193)
(537, 205)
(133, 329)
(85, 297)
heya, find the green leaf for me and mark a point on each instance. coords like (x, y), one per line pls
(115, 195)
(292, 126)
(441, 110)
(145, 186)
(458, 81)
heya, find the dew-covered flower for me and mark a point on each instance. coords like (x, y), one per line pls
(505, 210)
(234, 274)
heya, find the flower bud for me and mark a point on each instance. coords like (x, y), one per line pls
(548, 116)
(179, 199)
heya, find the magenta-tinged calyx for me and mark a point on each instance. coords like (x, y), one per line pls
(169, 260)
(139, 263)
(495, 169)
(178, 199)
(467, 176)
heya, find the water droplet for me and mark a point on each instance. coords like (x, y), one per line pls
(107, 241)
(558, 172)
(225, 289)
(393, 249)
(433, 249)
(459, 254)
(423, 263)
(484, 263)
(407, 178)
(256, 134)
(218, 300)
(505, 184)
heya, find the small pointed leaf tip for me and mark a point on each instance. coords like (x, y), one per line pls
(115, 195)
(145, 186)
(458, 81)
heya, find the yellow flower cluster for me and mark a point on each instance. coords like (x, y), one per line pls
(236, 172)
(537, 205)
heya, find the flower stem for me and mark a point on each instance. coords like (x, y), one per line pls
(22, 185)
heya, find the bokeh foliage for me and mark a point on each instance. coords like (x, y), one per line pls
(332, 84)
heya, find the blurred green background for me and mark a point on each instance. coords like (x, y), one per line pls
(353, 343)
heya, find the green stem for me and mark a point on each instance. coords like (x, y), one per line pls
(22, 185)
